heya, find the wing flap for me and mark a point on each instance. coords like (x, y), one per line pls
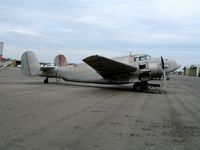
(108, 68)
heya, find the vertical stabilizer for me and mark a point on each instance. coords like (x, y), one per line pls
(60, 60)
(1, 51)
(29, 64)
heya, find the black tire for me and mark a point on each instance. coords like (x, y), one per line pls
(137, 87)
(140, 86)
(46, 80)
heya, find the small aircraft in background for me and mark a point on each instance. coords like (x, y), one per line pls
(5, 64)
(102, 70)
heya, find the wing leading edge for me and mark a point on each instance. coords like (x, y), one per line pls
(109, 68)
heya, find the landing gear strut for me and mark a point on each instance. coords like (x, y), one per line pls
(140, 86)
(168, 78)
(46, 80)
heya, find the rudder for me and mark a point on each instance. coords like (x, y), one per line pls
(60, 60)
(29, 64)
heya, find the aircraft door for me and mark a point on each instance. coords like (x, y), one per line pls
(142, 65)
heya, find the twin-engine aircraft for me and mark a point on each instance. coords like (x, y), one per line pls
(102, 70)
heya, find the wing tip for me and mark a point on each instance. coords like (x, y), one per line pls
(92, 57)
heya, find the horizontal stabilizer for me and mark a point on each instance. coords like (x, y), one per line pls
(108, 68)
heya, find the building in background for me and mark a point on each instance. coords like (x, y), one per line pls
(193, 70)
(1, 51)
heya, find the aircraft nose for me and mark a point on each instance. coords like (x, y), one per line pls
(177, 65)
(173, 65)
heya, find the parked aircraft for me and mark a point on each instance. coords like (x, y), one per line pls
(101, 70)
(5, 64)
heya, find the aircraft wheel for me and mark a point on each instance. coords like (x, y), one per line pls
(46, 80)
(140, 86)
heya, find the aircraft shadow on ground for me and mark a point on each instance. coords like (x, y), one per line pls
(124, 87)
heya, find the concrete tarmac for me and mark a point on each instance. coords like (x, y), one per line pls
(73, 116)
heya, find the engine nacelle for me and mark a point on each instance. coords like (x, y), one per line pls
(156, 69)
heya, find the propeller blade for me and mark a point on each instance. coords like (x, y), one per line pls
(164, 75)
(162, 63)
(163, 67)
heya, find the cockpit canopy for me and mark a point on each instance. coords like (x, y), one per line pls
(142, 58)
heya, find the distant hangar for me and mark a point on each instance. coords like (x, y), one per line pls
(193, 70)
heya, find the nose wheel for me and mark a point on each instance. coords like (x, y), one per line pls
(168, 78)
(46, 80)
(140, 86)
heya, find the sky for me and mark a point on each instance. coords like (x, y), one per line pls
(79, 28)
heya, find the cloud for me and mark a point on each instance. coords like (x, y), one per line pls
(83, 27)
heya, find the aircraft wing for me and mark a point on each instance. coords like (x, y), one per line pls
(109, 68)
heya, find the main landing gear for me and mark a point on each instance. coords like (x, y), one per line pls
(140, 86)
(168, 78)
(143, 86)
(46, 80)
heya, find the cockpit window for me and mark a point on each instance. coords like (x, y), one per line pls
(142, 58)
(148, 57)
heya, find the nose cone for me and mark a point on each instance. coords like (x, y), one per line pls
(175, 65)
(172, 66)
(178, 65)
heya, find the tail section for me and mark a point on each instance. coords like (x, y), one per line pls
(60, 60)
(29, 64)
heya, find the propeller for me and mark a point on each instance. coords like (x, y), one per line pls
(162, 63)
(163, 67)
